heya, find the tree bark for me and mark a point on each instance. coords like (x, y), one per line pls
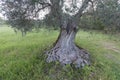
(65, 51)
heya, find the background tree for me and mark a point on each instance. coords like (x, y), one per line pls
(22, 13)
(105, 16)
(108, 14)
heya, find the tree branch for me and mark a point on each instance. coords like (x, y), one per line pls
(83, 7)
(44, 3)
(42, 8)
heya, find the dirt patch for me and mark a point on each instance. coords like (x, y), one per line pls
(111, 46)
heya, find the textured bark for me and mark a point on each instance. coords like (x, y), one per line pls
(65, 51)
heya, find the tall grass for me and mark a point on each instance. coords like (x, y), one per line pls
(23, 58)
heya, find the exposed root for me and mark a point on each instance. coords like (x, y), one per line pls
(69, 55)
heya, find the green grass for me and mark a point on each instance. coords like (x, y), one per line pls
(23, 58)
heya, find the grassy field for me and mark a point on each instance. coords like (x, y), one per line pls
(22, 58)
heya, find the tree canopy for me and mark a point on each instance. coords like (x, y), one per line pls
(21, 14)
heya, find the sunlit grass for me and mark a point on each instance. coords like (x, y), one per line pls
(23, 58)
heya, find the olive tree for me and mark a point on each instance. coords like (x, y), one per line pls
(63, 13)
(108, 12)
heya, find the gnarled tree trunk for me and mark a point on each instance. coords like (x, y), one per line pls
(65, 51)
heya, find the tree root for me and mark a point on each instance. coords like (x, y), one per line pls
(69, 55)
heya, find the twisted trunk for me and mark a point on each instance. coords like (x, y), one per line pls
(65, 51)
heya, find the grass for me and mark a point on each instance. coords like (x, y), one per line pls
(22, 58)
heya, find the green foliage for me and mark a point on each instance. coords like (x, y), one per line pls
(98, 25)
(89, 22)
(108, 13)
(106, 16)
(21, 14)
(23, 58)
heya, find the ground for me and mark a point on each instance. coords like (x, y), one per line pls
(22, 58)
